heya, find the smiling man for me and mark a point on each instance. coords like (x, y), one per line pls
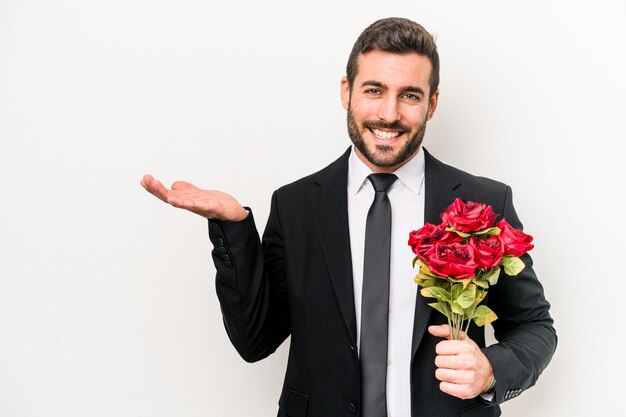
(333, 268)
(389, 100)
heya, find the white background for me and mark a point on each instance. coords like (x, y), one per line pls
(107, 301)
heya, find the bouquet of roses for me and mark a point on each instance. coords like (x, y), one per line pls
(461, 257)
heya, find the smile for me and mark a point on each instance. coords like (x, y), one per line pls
(385, 134)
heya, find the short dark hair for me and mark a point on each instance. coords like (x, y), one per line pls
(396, 35)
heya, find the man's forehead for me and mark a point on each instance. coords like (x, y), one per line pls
(409, 66)
(385, 56)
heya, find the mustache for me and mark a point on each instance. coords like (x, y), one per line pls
(383, 125)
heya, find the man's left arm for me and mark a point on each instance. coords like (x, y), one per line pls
(524, 330)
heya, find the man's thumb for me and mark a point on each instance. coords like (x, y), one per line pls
(443, 330)
(183, 186)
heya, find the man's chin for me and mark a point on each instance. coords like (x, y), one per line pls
(384, 158)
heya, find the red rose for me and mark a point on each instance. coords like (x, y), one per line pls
(469, 217)
(416, 236)
(422, 241)
(488, 252)
(516, 243)
(455, 260)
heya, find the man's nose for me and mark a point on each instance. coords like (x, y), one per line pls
(389, 110)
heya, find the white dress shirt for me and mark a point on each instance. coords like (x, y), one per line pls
(407, 213)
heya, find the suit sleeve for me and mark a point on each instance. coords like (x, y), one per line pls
(524, 329)
(251, 285)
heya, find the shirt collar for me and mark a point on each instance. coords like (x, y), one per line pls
(411, 174)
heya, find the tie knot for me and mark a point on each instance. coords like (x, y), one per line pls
(382, 182)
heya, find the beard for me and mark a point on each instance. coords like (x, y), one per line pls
(382, 156)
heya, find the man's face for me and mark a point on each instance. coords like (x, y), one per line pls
(388, 107)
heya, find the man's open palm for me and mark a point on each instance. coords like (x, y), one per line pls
(207, 203)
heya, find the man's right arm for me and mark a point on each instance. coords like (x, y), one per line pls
(251, 284)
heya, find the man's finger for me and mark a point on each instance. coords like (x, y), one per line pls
(155, 187)
(145, 181)
(440, 330)
(451, 362)
(454, 376)
(461, 391)
(454, 347)
(183, 186)
(443, 330)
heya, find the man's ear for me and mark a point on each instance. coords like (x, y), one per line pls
(432, 105)
(345, 92)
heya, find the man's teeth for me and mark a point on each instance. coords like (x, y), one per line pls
(385, 134)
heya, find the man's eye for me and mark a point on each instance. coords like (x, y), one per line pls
(373, 91)
(410, 96)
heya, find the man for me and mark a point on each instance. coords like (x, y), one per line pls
(311, 275)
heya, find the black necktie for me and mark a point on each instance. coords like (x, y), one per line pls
(375, 300)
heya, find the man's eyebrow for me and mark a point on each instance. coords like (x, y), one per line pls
(373, 84)
(413, 89)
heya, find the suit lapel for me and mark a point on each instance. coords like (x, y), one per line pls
(441, 186)
(330, 210)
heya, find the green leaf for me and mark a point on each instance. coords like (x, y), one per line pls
(491, 276)
(512, 265)
(456, 308)
(469, 312)
(456, 291)
(466, 282)
(458, 232)
(421, 278)
(436, 292)
(415, 260)
(440, 307)
(482, 284)
(430, 282)
(492, 231)
(483, 315)
(467, 297)
(480, 295)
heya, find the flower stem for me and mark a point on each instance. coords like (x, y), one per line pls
(449, 320)
(469, 321)
(457, 326)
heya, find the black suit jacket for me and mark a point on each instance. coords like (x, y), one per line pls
(298, 282)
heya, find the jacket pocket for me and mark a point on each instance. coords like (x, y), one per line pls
(292, 403)
(479, 410)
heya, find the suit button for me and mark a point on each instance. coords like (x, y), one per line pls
(228, 264)
(221, 249)
(352, 407)
(226, 257)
